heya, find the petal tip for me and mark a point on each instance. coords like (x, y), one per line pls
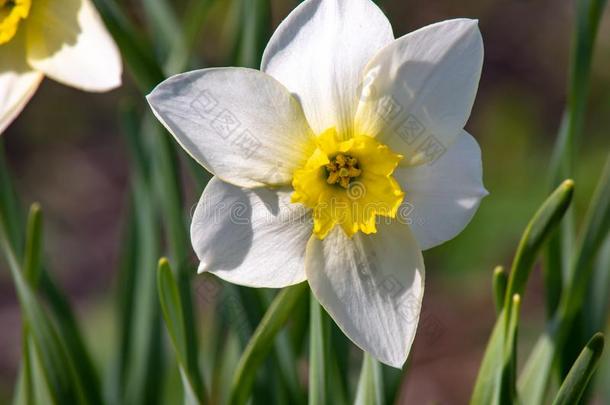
(202, 268)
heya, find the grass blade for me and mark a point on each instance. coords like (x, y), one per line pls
(33, 246)
(534, 379)
(9, 205)
(538, 230)
(41, 389)
(500, 280)
(255, 17)
(508, 389)
(580, 374)
(141, 345)
(598, 299)
(262, 340)
(171, 306)
(542, 224)
(588, 16)
(166, 29)
(596, 228)
(370, 384)
(64, 384)
(318, 353)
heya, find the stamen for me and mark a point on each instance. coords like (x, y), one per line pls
(342, 169)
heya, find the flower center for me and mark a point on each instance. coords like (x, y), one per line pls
(348, 183)
(342, 169)
(11, 14)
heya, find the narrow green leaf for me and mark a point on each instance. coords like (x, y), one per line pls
(487, 386)
(41, 389)
(166, 29)
(24, 394)
(262, 340)
(508, 389)
(229, 352)
(596, 228)
(534, 379)
(544, 221)
(370, 384)
(570, 317)
(193, 21)
(71, 334)
(536, 233)
(580, 374)
(166, 173)
(339, 370)
(64, 384)
(166, 180)
(284, 367)
(171, 306)
(63, 315)
(141, 347)
(9, 204)
(287, 368)
(318, 354)
(588, 16)
(41, 281)
(33, 245)
(499, 287)
(559, 252)
(255, 17)
(245, 307)
(144, 351)
(124, 303)
(598, 299)
(538, 370)
(392, 382)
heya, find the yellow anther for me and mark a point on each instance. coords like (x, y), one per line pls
(342, 169)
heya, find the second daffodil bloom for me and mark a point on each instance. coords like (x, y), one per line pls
(337, 163)
(62, 39)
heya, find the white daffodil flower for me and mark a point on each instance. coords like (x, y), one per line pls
(337, 163)
(62, 39)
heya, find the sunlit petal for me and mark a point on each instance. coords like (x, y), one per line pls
(252, 237)
(420, 89)
(240, 124)
(441, 198)
(319, 52)
(372, 286)
(67, 40)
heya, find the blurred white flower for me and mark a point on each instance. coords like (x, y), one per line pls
(337, 163)
(62, 39)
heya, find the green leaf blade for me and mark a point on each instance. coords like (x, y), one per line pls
(171, 307)
(581, 372)
(262, 341)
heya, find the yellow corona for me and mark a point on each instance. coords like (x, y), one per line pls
(11, 14)
(348, 183)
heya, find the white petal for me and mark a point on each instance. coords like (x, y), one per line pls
(319, 52)
(251, 237)
(372, 286)
(69, 43)
(240, 124)
(18, 82)
(420, 89)
(442, 197)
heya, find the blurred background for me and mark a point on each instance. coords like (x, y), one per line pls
(67, 152)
